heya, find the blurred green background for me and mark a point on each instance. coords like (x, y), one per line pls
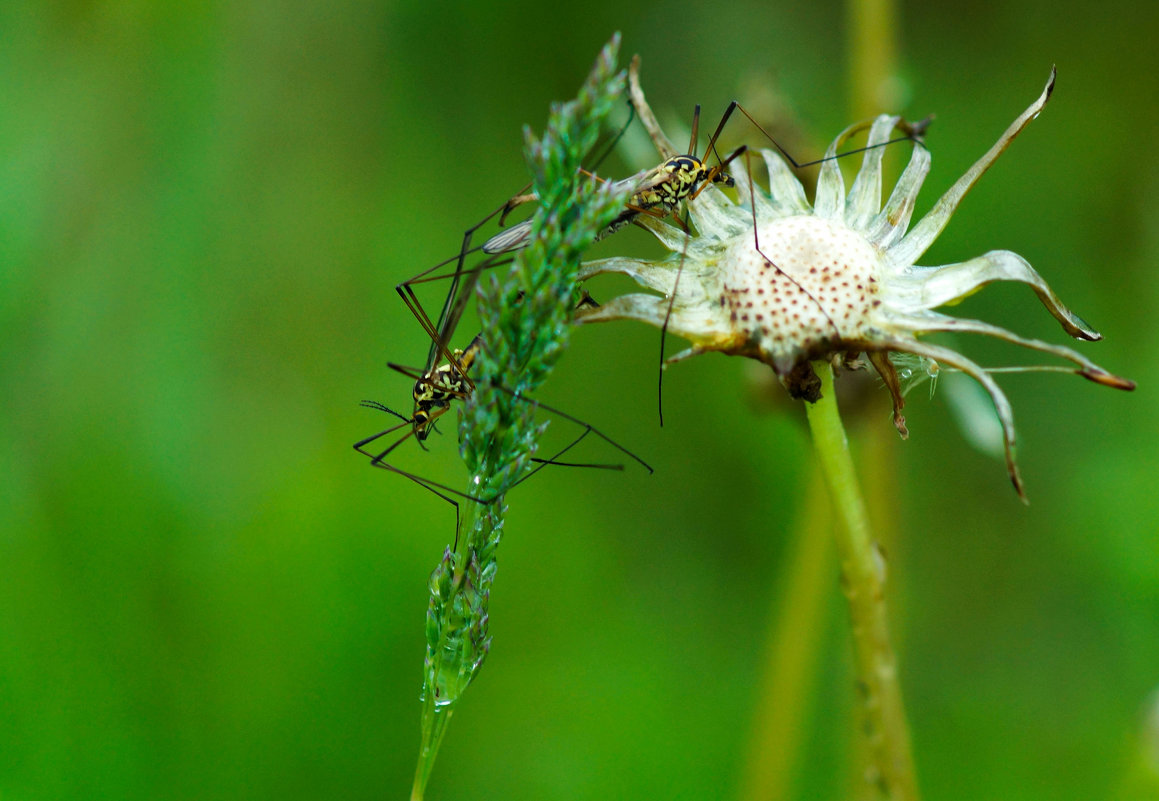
(204, 593)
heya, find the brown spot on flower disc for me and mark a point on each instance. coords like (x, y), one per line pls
(818, 286)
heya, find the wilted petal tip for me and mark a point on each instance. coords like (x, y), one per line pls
(1107, 379)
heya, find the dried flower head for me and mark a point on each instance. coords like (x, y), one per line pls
(775, 279)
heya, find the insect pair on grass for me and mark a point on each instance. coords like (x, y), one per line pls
(657, 193)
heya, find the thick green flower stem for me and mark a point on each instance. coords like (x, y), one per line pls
(863, 579)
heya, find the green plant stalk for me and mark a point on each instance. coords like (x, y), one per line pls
(874, 87)
(525, 320)
(872, 36)
(863, 579)
(799, 617)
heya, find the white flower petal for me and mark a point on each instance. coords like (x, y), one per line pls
(864, 199)
(711, 210)
(670, 236)
(697, 324)
(930, 287)
(830, 200)
(910, 249)
(924, 322)
(646, 274)
(747, 192)
(890, 225)
(785, 190)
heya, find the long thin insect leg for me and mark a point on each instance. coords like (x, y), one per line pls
(554, 459)
(438, 345)
(578, 422)
(362, 443)
(711, 149)
(545, 462)
(452, 292)
(428, 483)
(695, 130)
(441, 332)
(916, 131)
(616, 139)
(450, 322)
(487, 264)
(440, 337)
(554, 462)
(667, 317)
(430, 486)
(376, 458)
